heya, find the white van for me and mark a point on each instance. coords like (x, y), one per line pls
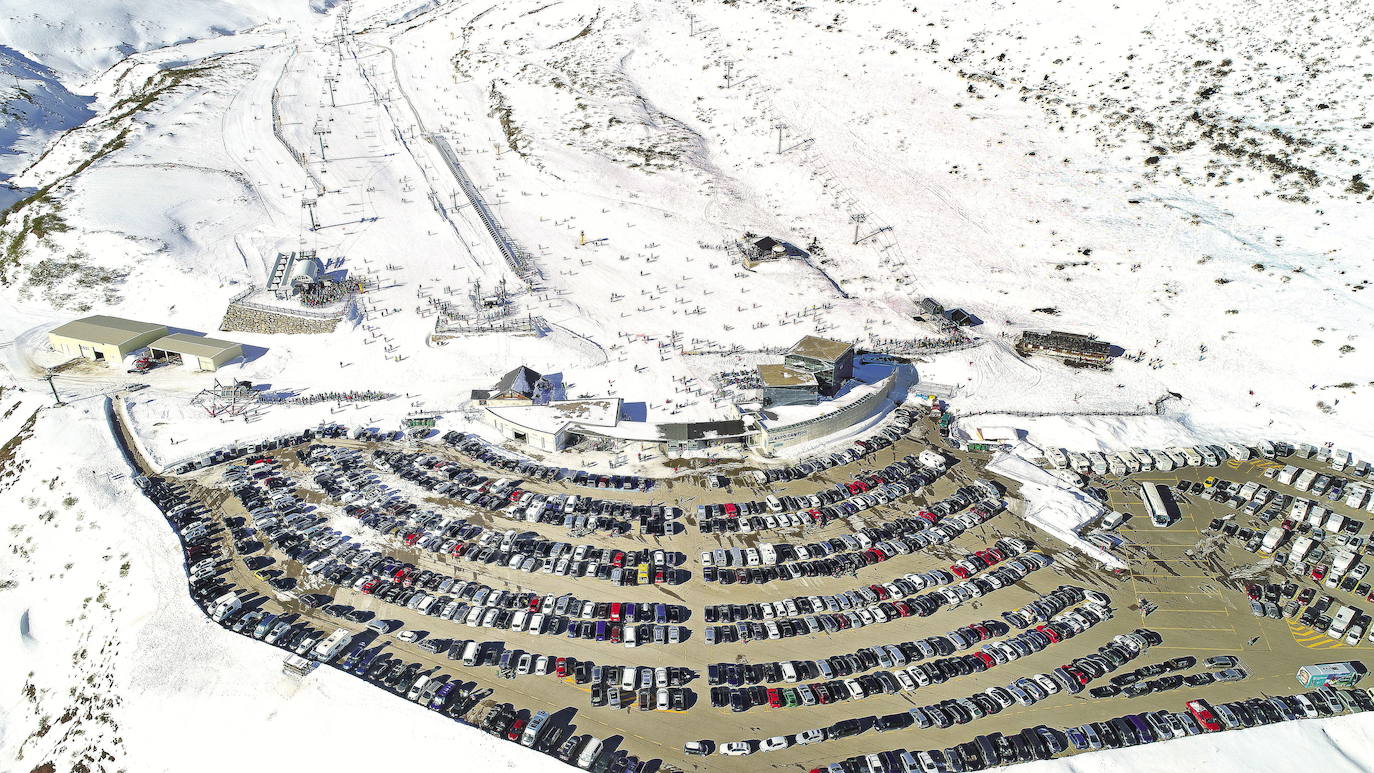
(589, 753)
(789, 671)
(1113, 519)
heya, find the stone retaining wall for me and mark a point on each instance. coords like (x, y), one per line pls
(241, 318)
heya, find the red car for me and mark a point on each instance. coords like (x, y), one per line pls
(774, 697)
(1054, 637)
(517, 727)
(560, 667)
(960, 572)
(618, 559)
(986, 658)
(731, 511)
(369, 586)
(1319, 572)
(615, 610)
(1202, 712)
(1253, 591)
(534, 604)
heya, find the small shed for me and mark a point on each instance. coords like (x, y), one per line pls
(196, 352)
(104, 339)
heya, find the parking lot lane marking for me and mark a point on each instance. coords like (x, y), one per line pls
(1164, 628)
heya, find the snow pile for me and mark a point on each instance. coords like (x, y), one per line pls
(1051, 503)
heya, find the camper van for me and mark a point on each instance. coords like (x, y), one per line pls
(1287, 475)
(1194, 458)
(1057, 458)
(1099, 462)
(1237, 451)
(1341, 621)
(1356, 496)
(1267, 450)
(1305, 479)
(1079, 463)
(1300, 549)
(1143, 459)
(1162, 460)
(332, 645)
(1273, 539)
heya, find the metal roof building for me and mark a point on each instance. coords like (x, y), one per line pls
(104, 339)
(785, 385)
(832, 362)
(196, 352)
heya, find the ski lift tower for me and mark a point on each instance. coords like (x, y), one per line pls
(233, 399)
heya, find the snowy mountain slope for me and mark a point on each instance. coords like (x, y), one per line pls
(35, 106)
(51, 53)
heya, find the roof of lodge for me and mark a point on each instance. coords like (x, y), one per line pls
(101, 329)
(820, 348)
(198, 346)
(702, 430)
(520, 380)
(1068, 341)
(783, 376)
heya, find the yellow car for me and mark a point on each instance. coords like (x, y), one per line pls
(1210, 481)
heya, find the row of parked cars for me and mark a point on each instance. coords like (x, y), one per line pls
(474, 604)
(875, 604)
(480, 450)
(235, 452)
(900, 424)
(867, 490)
(846, 553)
(456, 536)
(947, 713)
(505, 495)
(912, 669)
(1159, 677)
(1043, 742)
(438, 692)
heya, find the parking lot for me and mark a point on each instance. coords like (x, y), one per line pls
(1183, 585)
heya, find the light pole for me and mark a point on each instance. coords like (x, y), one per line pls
(57, 399)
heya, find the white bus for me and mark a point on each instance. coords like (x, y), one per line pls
(1155, 505)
